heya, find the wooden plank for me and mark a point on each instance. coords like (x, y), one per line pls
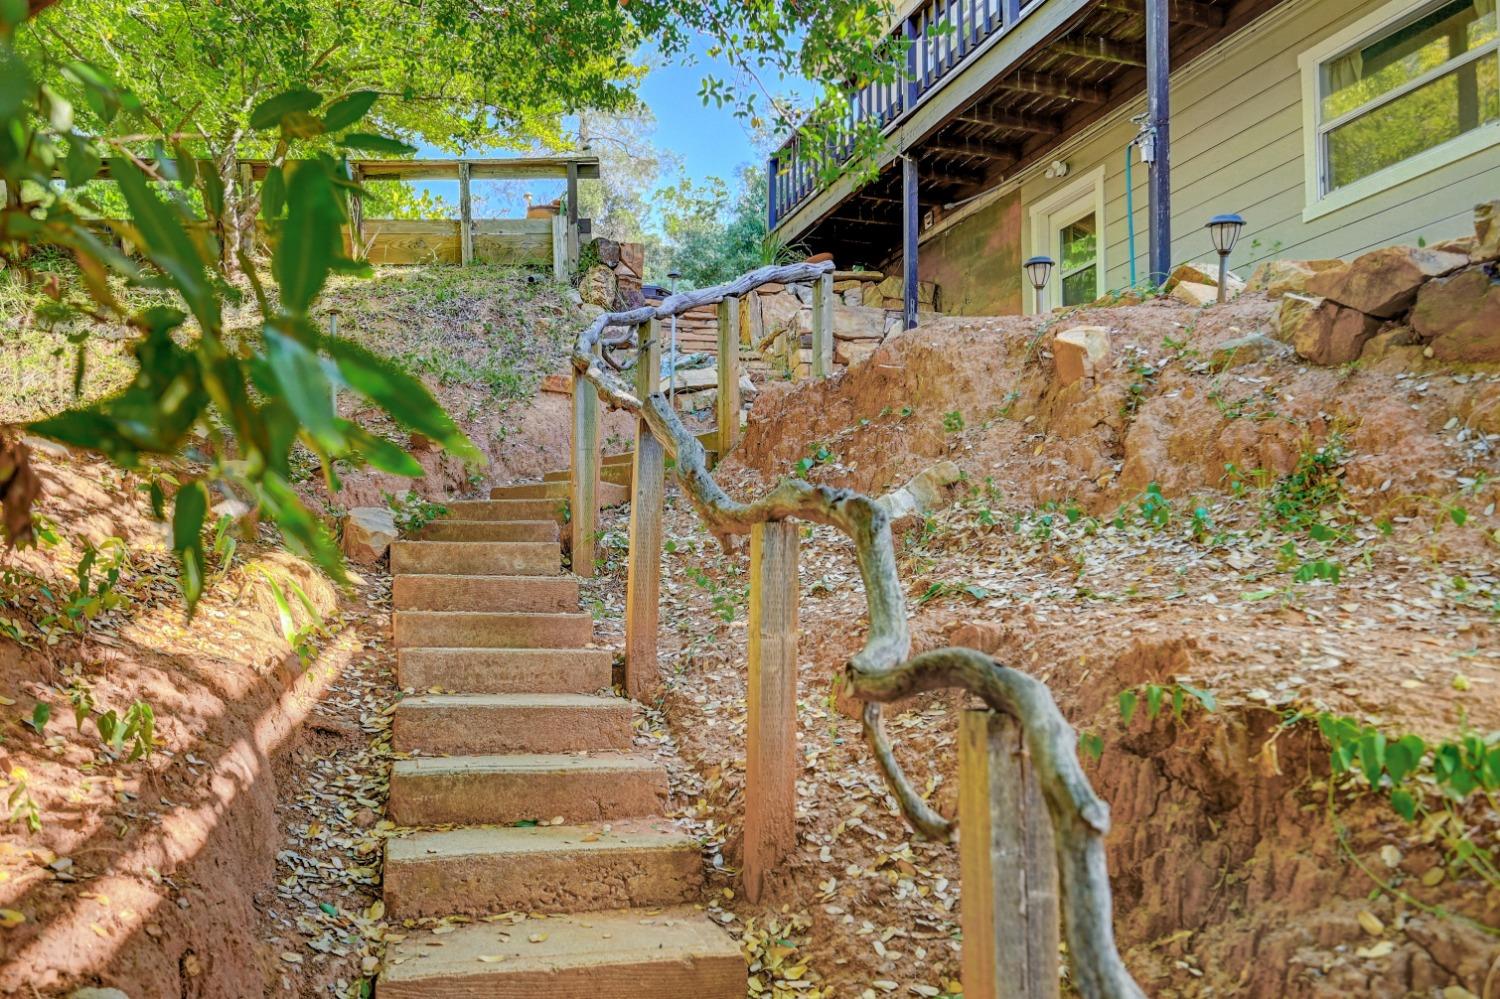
(399, 241)
(514, 250)
(751, 323)
(573, 247)
(559, 249)
(465, 217)
(1007, 863)
(771, 762)
(728, 403)
(822, 327)
(643, 574)
(584, 493)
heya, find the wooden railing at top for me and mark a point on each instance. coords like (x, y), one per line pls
(1019, 759)
(943, 34)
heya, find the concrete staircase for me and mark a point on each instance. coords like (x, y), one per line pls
(523, 756)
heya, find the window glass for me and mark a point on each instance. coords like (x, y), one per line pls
(1395, 59)
(1078, 246)
(1414, 122)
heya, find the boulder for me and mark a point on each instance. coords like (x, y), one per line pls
(1294, 311)
(1080, 352)
(368, 533)
(854, 297)
(1245, 350)
(845, 285)
(858, 323)
(1459, 315)
(608, 250)
(927, 294)
(1332, 333)
(1195, 293)
(748, 389)
(633, 255)
(892, 287)
(598, 286)
(871, 296)
(1204, 272)
(1486, 232)
(778, 312)
(1384, 283)
(851, 352)
(1281, 277)
(892, 304)
(803, 292)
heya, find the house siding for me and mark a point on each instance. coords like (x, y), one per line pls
(1237, 146)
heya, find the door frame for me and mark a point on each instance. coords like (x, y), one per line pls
(1073, 199)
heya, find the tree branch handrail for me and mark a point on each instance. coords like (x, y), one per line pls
(883, 670)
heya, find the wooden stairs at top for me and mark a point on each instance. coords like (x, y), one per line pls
(526, 730)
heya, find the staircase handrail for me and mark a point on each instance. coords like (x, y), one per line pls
(883, 670)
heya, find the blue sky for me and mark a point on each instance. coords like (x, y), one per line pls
(709, 141)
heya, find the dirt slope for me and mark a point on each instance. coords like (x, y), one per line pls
(1239, 868)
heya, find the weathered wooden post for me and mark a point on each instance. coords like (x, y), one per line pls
(643, 579)
(572, 181)
(1007, 865)
(822, 327)
(728, 404)
(584, 494)
(771, 697)
(465, 217)
(559, 248)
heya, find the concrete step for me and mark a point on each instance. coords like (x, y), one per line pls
(436, 591)
(477, 558)
(610, 494)
(514, 509)
(489, 530)
(461, 724)
(627, 954)
(505, 671)
(490, 630)
(503, 790)
(619, 473)
(485, 869)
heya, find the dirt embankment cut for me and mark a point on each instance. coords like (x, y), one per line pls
(1204, 552)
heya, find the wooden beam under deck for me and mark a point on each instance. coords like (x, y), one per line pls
(1100, 49)
(1015, 122)
(1053, 85)
(1193, 12)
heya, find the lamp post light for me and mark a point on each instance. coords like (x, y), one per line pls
(673, 277)
(1224, 230)
(1038, 271)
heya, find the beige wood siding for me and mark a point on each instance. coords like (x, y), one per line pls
(1237, 146)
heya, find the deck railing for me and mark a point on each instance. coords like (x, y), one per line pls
(944, 35)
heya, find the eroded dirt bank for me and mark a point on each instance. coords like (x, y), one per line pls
(1244, 533)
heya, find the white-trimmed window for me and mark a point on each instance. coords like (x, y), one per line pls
(1068, 226)
(1400, 93)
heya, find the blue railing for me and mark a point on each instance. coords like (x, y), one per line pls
(943, 35)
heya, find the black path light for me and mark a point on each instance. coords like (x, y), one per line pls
(1038, 270)
(1224, 230)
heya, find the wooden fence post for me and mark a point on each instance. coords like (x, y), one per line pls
(572, 182)
(643, 579)
(822, 327)
(728, 404)
(584, 495)
(465, 217)
(771, 763)
(1007, 864)
(559, 248)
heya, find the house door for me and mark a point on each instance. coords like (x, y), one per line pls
(1067, 228)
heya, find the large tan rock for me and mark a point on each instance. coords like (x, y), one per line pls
(369, 532)
(871, 296)
(633, 255)
(1195, 293)
(1459, 315)
(858, 323)
(778, 312)
(1281, 277)
(1080, 352)
(1204, 272)
(891, 287)
(1486, 232)
(1384, 283)
(851, 352)
(1332, 333)
(599, 287)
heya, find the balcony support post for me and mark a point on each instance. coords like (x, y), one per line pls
(1158, 99)
(910, 227)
